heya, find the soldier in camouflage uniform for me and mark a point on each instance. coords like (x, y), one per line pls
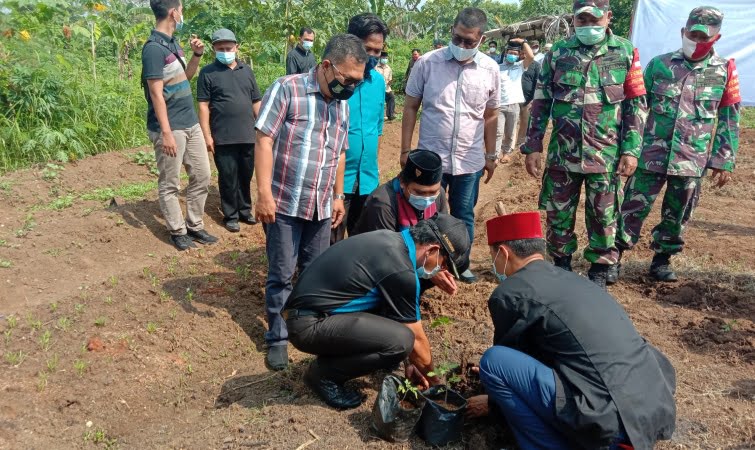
(591, 86)
(688, 90)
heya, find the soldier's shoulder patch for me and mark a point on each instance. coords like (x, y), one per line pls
(731, 92)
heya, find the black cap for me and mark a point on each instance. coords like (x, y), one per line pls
(383, 54)
(454, 239)
(423, 167)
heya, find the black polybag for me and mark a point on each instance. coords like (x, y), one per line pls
(437, 425)
(389, 419)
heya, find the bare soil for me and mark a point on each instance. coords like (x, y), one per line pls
(114, 339)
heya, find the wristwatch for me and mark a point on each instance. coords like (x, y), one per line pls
(339, 197)
(491, 157)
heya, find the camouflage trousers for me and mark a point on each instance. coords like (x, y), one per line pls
(559, 198)
(680, 199)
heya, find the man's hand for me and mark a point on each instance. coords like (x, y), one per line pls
(404, 157)
(722, 175)
(627, 165)
(197, 46)
(169, 144)
(477, 406)
(489, 169)
(413, 374)
(517, 40)
(445, 281)
(339, 211)
(533, 164)
(210, 143)
(265, 210)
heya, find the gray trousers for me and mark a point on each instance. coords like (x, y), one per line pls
(508, 119)
(191, 152)
(291, 242)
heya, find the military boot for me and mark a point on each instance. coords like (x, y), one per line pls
(564, 262)
(614, 271)
(598, 274)
(660, 268)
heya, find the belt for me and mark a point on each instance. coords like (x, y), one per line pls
(289, 314)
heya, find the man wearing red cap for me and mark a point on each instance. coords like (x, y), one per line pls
(567, 369)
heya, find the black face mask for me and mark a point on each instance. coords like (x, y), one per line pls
(340, 91)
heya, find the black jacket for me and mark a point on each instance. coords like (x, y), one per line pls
(606, 373)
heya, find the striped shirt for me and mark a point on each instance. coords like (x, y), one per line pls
(309, 134)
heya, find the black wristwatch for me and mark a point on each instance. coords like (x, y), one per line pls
(198, 54)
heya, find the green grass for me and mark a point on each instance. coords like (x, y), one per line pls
(133, 191)
(748, 117)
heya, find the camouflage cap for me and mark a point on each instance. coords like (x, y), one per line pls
(706, 19)
(595, 8)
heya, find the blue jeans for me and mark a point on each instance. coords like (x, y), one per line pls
(463, 191)
(291, 243)
(524, 390)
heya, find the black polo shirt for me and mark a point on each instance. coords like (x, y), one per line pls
(373, 272)
(299, 60)
(529, 81)
(605, 371)
(231, 94)
(380, 211)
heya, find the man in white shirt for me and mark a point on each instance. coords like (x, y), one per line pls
(514, 62)
(539, 56)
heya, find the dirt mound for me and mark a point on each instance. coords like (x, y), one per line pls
(733, 339)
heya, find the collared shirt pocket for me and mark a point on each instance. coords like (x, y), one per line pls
(569, 84)
(612, 80)
(707, 99)
(665, 98)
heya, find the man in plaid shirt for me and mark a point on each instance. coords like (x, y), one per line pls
(302, 134)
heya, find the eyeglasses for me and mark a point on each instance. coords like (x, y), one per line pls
(347, 81)
(461, 42)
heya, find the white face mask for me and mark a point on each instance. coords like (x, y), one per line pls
(463, 54)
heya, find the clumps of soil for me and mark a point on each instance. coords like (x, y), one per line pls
(733, 338)
(708, 296)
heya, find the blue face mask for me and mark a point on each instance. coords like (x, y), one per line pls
(421, 203)
(424, 274)
(501, 276)
(180, 23)
(511, 59)
(307, 45)
(226, 58)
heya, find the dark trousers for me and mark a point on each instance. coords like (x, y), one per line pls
(291, 243)
(390, 105)
(351, 345)
(235, 165)
(462, 197)
(354, 203)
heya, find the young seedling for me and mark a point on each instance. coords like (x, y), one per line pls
(45, 340)
(80, 366)
(79, 308)
(12, 322)
(729, 326)
(52, 363)
(100, 321)
(108, 300)
(64, 323)
(15, 358)
(53, 307)
(189, 295)
(113, 281)
(406, 388)
(5, 263)
(42, 381)
(447, 372)
(34, 324)
(151, 327)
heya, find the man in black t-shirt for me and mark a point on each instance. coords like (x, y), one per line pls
(172, 125)
(567, 369)
(301, 59)
(357, 305)
(229, 101)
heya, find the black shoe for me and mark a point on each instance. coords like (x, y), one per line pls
(232, 226)
(598, 274)
(277, 357)
(333, 394)
(660, 268)
(251, 220)
(182, 242)
(563, 262)
(468, 277)
(614, 272)
(202, 237)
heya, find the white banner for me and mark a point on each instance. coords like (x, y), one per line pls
(657, 25)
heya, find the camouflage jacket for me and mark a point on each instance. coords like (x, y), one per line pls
(685, 100)
(596, 99)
